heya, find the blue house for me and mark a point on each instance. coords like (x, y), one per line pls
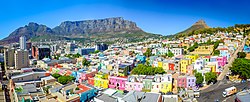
(141, 58)
(246, 49)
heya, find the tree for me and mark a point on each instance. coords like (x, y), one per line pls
(56, 75)
(241, 67)
(185, 52)
(170, 54)
(76, 55)
(199, 78)
(141, 69)
(210, 77)
(96, 51)
(85, 62)
(65, 79)
(192, 48)
(241, 54)
(185, 47)
(216, 52)
(147, 53)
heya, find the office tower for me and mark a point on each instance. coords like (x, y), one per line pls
(22, 42)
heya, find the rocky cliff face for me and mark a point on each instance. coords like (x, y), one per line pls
(110, 25)
(102, 26)
(201, 24)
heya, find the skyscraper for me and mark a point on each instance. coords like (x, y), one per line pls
(21, 59)
(22, 42)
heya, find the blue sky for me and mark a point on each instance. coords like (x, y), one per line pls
(155, 16)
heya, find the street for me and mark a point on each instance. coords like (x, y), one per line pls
(214, 92)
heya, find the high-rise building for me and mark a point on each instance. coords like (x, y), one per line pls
(22, 42)
(41, 52)
(54, 48)
(21, 59)
(70, 48)
(9, 60)
(101, 47)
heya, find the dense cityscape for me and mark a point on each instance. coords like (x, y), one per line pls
(153, 70)
(124, 51)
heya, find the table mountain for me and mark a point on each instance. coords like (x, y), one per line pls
(109, 25)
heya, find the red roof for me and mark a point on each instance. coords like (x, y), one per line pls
(192, 39)
(223, 49)
(82, 88)
(207, 56)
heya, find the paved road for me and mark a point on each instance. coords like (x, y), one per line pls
(215, 92)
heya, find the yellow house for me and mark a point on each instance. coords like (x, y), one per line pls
(160, 64)
(109, 67)
(156, 87)
(165, 66)
(192, 57)
(101, 80)
(184, 64)
(213, 67)
(166, 87)
(203, 50)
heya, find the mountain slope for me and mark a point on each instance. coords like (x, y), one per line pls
(201, 24)
(96, 30)
(29, 31)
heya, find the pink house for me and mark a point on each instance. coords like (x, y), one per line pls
(190, 69)
(182, 81)
(134, 83)
(85, 75)
(221, 61)
(130, 86)
(117, 82)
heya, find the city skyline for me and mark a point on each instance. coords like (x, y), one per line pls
(154, 16)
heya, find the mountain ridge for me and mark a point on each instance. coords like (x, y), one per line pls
(200, 24)
(111, 26)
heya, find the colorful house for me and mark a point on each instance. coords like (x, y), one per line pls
(213, 58)
(207, 58)
(192, 57)
(184, 64)
(147, 83)
(182, 81)
(191, 82)
(222, 61)
(190, 69)
(134, 83)
(160, 64)
(165, 66)
(162, 83)
(203, 50)
(85, 92)
(224, 52)
(117, 82)
(199, 64)
(101, 80)
(171, 66)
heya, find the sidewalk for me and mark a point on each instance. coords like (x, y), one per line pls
(204, 87)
